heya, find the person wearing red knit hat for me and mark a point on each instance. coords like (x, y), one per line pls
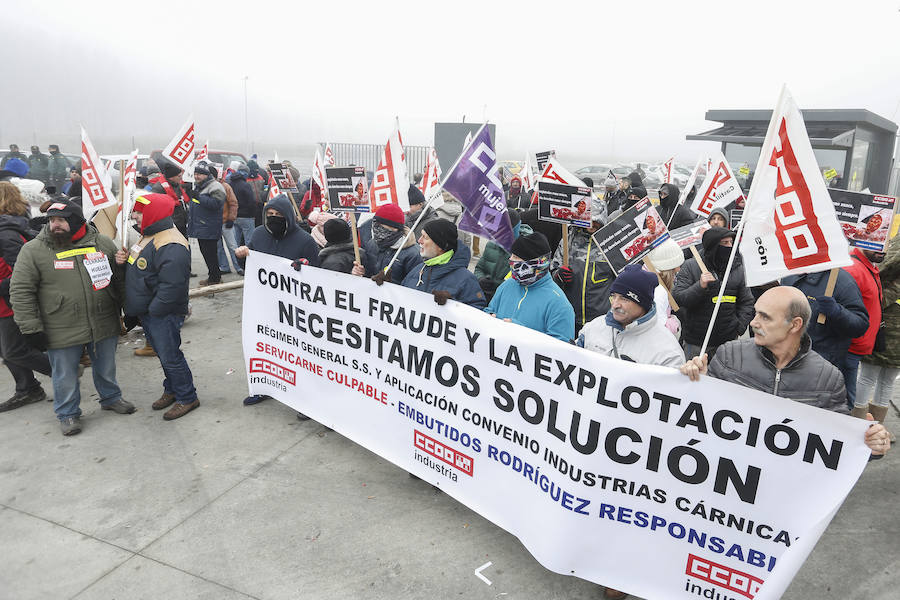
(156, 296)
(389, 233)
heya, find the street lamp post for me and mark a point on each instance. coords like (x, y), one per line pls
(246, 119)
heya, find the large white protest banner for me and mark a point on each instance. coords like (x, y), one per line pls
(627, 475)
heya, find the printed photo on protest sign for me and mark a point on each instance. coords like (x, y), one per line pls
(865, 218)
(283, 178)
(565, 204)
(619, 473)
(632, 235)
(347, 189)
(690, 234)
(542, 157)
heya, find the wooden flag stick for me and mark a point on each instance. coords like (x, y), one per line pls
(652, 269)
(699, 260)
(355, 237)
(565, 243)
(829, 290)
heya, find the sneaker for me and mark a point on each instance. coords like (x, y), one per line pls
(20, 399)
(179, 410)
(165, 401)
(70, 425)
(123, 407)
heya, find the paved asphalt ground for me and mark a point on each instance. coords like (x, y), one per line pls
(234, 502)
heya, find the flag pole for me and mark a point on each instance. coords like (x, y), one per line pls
(684, 192)
(428, 202)
(355, 237)
(765, 154)
(121, 227)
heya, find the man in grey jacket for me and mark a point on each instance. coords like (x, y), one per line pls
(778, 360)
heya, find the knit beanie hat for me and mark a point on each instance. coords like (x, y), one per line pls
(415, 195)
(170, 170)
(17, 166)
(666, 256)
(636, 284)
(638, 191)
(337, 231)
(443, 233)
(530, 246)
(68, 210)
(391, 215)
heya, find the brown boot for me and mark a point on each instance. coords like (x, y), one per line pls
(164, 401)
(179, 410)
(859, 412)
(147, 350)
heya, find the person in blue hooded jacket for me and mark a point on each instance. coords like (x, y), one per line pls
(445, 270)
(279, 235)
(531, 298)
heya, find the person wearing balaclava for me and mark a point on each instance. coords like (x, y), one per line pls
(280, 235)
(695, 292)
(530, 297)
(389, 233)
(67, 290)
(675, 215)
(445, 267)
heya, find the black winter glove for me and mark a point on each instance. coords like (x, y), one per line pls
(298, 264)
(130, 322)
(828, 306)
(381, 277)
(563, 276)
(229, 224)
(37, 340)
(441, 297)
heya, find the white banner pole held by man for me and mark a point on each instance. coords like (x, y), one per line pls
(768, 145)
(619, 473)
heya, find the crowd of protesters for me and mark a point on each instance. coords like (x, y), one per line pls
(57, 316)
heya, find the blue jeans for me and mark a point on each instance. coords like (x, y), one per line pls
(228, 236)
(164, 334)
(66, 389)
(246, 226)
(849, 369)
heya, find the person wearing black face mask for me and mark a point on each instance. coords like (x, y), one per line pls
(696, 291)
(279, 235)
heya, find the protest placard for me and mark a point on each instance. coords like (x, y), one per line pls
(541, 158)
(690, 234)
(283, 178)
(347, 189)
(565, 204)
(632, 235)
(623, 474)
(865, 218)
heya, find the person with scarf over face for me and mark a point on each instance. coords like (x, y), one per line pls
(675, 215)
(389, 232)
(157, 279)
(445, 270)
(696, 292)
(530, 297)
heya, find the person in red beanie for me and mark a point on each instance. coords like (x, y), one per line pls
(156, 296)
(389, 233)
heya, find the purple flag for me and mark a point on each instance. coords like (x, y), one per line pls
(475, 183)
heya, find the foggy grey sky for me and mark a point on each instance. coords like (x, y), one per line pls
(597, 81)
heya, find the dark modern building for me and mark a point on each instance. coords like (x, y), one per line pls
(854, 148)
